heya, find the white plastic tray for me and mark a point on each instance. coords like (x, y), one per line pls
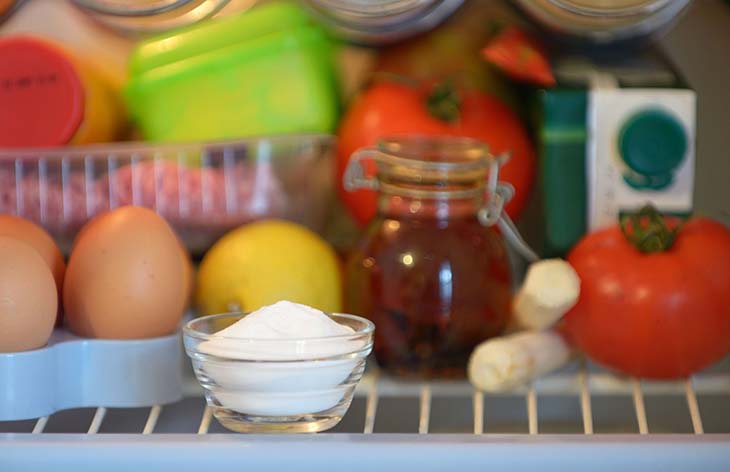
(73, 372)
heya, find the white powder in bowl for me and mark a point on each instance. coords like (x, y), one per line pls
(304, 379)
(282, 331)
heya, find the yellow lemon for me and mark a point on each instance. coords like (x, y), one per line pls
(264, 262)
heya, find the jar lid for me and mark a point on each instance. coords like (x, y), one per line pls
(42, 96)
(140, 17)
(602, 21)
(379, 22)
(131, 7)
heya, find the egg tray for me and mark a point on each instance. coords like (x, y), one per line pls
(74, 372)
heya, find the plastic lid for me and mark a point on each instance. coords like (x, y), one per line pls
(215, 35)
(653, 143)
(42, 96)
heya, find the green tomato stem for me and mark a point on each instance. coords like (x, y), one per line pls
(444, 102)
(647, 230)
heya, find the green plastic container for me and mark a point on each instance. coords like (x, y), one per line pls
(266, 71)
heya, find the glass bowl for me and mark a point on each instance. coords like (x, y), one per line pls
(257, 385)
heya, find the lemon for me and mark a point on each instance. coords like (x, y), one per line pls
(264, 262)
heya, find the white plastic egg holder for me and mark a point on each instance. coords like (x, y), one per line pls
(74, 372)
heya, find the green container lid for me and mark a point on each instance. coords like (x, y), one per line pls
(266, 71)
(213, 35)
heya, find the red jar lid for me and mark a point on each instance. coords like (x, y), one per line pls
(41, 96)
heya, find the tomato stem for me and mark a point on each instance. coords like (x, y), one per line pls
(648, 231)
(444, 102)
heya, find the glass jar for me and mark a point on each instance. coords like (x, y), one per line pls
(378, 22)
(604, 21)
(150, 16)
(430, 271)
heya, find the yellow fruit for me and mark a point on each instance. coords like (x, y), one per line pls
(267, 261)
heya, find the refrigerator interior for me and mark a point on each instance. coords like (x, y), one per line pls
(581, 416)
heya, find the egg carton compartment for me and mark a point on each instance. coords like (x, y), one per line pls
(202, 189)
(74, 372)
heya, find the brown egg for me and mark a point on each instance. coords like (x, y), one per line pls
(125, 278)
(28, 298)
(188, 272)
(41, 241)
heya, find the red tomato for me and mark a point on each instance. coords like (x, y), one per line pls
(656, 315)
(389, 108)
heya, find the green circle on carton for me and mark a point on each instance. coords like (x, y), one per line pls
(653, 143)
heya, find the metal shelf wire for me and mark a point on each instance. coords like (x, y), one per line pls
(431, 415)
(582, 383)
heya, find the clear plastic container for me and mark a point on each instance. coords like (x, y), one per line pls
(278, 385)
(202, 189)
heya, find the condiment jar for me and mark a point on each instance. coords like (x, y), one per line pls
(150, 16)
(50, 98)
(430, 271)
(602, 22)
(378, 22)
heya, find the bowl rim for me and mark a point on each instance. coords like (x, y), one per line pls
(367, 330)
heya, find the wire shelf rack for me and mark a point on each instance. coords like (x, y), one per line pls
(580, 405)
(581, 383)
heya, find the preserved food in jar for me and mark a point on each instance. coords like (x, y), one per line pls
(428, 272)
